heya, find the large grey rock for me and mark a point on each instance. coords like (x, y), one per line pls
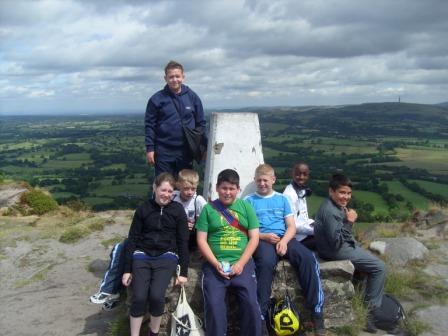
(10, 194)
(343, 269)
(336, 281)
(399, 251)
(436, 217)
(436, 318)
(98, 267)
(438, 270)
(378, 247)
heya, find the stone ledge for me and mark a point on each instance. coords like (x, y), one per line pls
(336, 281)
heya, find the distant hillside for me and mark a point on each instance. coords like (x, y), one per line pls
(404, 119)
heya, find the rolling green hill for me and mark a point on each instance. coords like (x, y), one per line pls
(100, 159)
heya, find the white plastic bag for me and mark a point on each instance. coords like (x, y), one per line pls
(184, 322)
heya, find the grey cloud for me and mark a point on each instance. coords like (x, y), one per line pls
(233, 51)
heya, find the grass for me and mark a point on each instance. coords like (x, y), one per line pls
(112, 241)
(73, 234)
(119, 327)
(81, 230)
(117, 190)
(413, 283)
(360, 316)
(314, 203)
(60, 164)
(388, 230)
(414, 326)
(373, 198)
(418, 201)
(434, 160)
(97, 200)
(433, 187)
(40, 275)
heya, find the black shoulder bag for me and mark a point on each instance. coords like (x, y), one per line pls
(195, 138)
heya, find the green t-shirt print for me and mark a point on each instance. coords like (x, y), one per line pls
(226, 242)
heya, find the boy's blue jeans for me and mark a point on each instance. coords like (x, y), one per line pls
(111, 283)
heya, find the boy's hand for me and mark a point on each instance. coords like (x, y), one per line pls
(218, 268)
(351, 215)
(281, 248)
(270, 238)
(126, 279)
(180, 280)
(237, 269)
(190, 225)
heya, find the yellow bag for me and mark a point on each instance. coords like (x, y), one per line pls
(284, 317)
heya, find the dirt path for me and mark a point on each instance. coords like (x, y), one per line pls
(45, 285)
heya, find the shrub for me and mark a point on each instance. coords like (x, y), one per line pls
(73, 234)
(39, 202)
(77, 205)
(96, 226)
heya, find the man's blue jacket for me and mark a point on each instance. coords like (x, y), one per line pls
(163, 126)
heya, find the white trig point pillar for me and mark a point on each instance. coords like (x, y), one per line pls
(234, 142)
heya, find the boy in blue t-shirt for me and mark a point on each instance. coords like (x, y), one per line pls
(277, 231)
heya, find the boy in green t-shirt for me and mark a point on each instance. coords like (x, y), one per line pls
(227, 249)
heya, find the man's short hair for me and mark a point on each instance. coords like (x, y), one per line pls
(340, 180)
(264, 169)
(230, 176)
(188, 176)
(173, 65)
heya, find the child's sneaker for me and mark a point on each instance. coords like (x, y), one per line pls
(100, 297)
(110, 304)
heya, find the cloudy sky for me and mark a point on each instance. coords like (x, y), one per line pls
(108, 56)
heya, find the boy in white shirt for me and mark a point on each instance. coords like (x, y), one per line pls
(296, 192)
(187, 184)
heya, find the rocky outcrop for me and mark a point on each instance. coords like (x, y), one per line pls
(10, 194)
(435, 218)
(399, 251)
(336, 279)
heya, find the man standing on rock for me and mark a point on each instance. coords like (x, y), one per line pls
(168, 111)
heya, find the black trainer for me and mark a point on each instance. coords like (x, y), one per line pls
(370, 326)
(318, 325)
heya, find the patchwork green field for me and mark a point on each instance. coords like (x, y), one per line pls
(396, 154)
(417, 200)
(437, 188)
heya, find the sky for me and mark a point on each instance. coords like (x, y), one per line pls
(68, 56)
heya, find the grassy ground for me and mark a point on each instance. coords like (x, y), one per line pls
(432, 159)
(417, 200)
(433, 187)
(373, 198)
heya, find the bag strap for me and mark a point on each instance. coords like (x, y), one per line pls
(230, 219)
(178, 112)
(284, 277)
(195, 207)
